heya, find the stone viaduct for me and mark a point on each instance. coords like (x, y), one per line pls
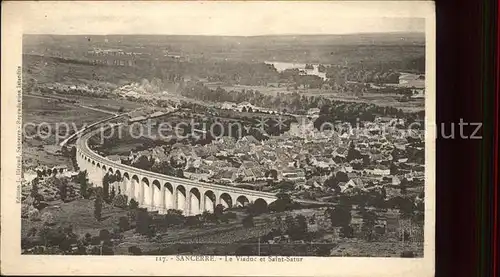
(158, 192)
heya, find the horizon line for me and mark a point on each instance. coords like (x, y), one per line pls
(209, 35)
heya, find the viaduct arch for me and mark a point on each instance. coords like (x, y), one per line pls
(158, 192)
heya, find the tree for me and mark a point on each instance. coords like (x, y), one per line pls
(273, 174)
(48, 219)
(82, 179)
(35, 195)
(256, 208)
(193, 221)
(325, 110)
(44, 235)
(143, 162)
(123, 223)
(112, 194)
(34, 188)
(403, 186)
(369, 218)
(286, 186)
(63, 190)
(296, 228)
(333, 183)
(107, 248)
(347, 231)
(353, 153)
(105, 188)
(406, 208)
(133, 204)
(340, 216)
(342, 177)
(104, 235)
(283, 203)
(248, 221)
(120, 201)
(175, 217)
(98, 207)
(219, 210)
(278, 222)
(207, 216)
(142, 222)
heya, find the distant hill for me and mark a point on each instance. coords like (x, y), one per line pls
(328, 49)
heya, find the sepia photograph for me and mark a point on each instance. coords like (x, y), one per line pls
(202, 132)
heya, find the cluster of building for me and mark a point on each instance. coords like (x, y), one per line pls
(97, 52)
(303, 156)
(245, 107)
(83, 89)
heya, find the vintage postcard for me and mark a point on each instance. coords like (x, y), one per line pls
(218, 138)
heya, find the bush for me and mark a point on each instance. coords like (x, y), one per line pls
(142, 222)
(231, 215)
(50, 236)
(34, 214)
(120, 201)
(133, 204)
(48, 219)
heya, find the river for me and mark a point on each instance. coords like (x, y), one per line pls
(282, 66)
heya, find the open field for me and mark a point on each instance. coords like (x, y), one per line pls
(110, 104)
(37, 110)
(42, 150)
(79, 214)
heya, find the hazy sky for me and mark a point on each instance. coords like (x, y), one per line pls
(223, 18)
